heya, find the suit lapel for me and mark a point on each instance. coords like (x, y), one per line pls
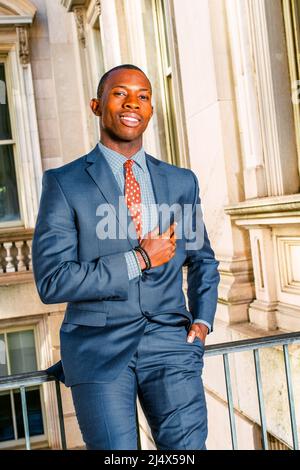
(102, 175)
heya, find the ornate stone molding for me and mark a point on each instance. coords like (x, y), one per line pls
(273, 224)
(23, 44)
(83, 11)
(98, 6)
(93, 11)
(18, 12)
(20, 15)
(71, 4)
(265, 211)
(80, 23)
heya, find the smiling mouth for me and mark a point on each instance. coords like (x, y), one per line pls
(130, 121)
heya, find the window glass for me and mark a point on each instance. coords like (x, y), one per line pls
(3, 358)
(35, 418)
(9, 204)
(21, 350)
(5, 128)
(6, 420)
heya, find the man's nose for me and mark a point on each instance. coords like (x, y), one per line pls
(131, 103)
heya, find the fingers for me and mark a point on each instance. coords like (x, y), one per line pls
(196, 331)
(154, 233)
(191, 336)
(173, 239)
(170, 232)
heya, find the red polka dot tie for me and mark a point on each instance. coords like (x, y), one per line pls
(133, 197)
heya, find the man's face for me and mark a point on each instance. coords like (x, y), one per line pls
(125, 105)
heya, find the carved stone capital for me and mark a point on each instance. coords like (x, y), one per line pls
(23, 43)
(80, 23)
(98, 6)
(71, 4)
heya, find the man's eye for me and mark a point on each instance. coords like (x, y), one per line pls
(144, 97)
(119, 93)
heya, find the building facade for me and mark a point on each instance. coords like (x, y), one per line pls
(225, 75)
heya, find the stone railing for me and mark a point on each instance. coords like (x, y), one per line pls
(15, 255)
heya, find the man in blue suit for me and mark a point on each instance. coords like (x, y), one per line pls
(127, 331)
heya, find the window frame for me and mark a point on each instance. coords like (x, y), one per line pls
(41, 439)
(291, 14)
(4, 59)
(95, 58)
(24, 120)
(173, 109)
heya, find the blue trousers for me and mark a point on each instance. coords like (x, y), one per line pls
(165, 373)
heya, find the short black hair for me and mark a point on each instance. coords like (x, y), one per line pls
(118, 67)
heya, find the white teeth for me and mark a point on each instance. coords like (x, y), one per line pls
(127, 118)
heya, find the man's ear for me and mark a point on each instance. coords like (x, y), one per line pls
(95, 105)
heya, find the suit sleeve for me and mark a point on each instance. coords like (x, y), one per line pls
(202, 269)
(59, 275)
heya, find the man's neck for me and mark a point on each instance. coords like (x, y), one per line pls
(127, 149)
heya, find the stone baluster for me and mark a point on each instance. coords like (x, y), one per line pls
(9, 268)
(20, 255)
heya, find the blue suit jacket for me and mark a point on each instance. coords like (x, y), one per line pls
(105, 316)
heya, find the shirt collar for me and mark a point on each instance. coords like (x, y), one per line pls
(116, 160)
